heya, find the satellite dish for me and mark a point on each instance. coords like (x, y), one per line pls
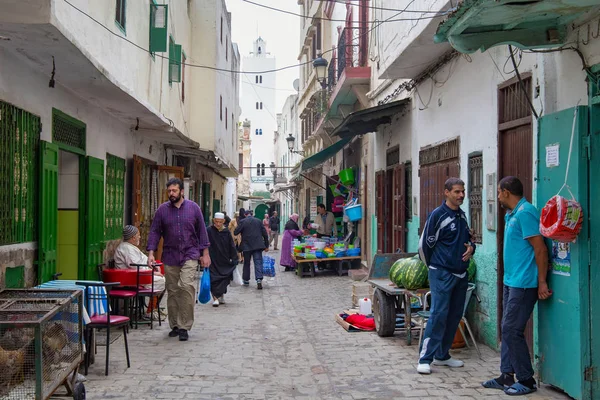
(296, 84)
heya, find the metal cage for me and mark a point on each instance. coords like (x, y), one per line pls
(41, 343)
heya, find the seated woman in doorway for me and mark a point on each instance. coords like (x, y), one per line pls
(292, 230)
(128, 253)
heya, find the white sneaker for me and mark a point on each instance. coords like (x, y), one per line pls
(424, 369)
(222, 299)
(216, 303)
(451, 362)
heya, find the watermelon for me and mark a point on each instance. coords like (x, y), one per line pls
(395, 271)
(414, 274)
(471, 270)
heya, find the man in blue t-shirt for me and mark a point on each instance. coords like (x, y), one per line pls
(445, 247)
(525, 268)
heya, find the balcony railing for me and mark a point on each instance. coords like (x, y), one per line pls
(316, 108)
(351, 49)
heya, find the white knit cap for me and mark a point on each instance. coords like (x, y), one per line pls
(219, 215)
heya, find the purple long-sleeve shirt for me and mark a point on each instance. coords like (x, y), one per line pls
(183, 230)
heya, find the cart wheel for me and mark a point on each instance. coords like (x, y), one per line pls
(384, 311)
(79, 391)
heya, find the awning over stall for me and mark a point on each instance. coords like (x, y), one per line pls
(369, 119)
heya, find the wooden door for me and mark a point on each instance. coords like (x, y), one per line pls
(399, 209)
(165, 173)
(379, 194)
(515, 158)
(388, 204)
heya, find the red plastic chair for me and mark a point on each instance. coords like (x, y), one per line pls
(121, 292)
(103, 321)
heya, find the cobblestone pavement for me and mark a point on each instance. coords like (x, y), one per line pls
(283, 343)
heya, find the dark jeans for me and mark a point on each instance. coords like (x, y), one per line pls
(517, 308)
(256, 255)
(448, 293)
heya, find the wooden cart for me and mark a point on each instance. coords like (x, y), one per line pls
(391, 305)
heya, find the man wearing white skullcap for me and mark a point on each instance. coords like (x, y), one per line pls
(223, 257)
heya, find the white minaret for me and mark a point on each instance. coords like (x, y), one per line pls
(258, 106)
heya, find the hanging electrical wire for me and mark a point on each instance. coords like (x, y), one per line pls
(379, 8)
(340, 20)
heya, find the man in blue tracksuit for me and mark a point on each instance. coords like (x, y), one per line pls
(445, 247)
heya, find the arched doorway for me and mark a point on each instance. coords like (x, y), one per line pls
(261, 210)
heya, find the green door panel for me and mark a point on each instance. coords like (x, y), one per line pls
(68, 244)
(216, 207)
(261, 210)
(94, 216)
(205, 206)
(48, 211)
(563, 322)
(594, 218)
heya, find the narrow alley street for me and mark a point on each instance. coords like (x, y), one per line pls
(283, 343)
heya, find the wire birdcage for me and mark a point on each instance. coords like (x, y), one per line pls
(41, 343)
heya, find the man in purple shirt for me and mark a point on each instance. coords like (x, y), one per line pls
(185, 242)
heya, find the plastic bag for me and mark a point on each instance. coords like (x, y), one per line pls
(561, 219)
(237, 279)
(269, 266)
(204, 295)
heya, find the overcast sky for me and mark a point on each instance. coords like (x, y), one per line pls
(280, 31)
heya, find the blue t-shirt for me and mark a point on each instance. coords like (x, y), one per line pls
(520, 268)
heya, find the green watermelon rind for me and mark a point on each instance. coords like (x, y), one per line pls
(396, 271)
(414, 274)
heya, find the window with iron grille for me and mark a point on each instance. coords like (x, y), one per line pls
(115, 197)
(68, 131)
(19, 162)
(475, 196)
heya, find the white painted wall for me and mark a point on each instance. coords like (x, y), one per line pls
(26, 88)
(134, 70)
(262, 147)
(68, 180)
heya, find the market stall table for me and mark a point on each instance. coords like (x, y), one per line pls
(342, 264)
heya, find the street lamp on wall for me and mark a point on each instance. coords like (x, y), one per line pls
(320, 65)
(268, 185)
(291, 140)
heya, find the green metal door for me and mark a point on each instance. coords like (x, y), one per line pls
(594, 218)
(206, 201)
(261, 210)
(94, 216)
(216, 207)
(563, 320)
(48, 211)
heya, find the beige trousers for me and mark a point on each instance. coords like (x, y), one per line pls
(181, 294)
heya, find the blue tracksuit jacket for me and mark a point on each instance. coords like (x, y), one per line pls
(442, 243)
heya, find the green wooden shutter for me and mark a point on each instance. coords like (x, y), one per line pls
(115, 196)
(206, 201)
(48, 211)
(216, 208)
(158, 27)
(94, 216)
(175, 63)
